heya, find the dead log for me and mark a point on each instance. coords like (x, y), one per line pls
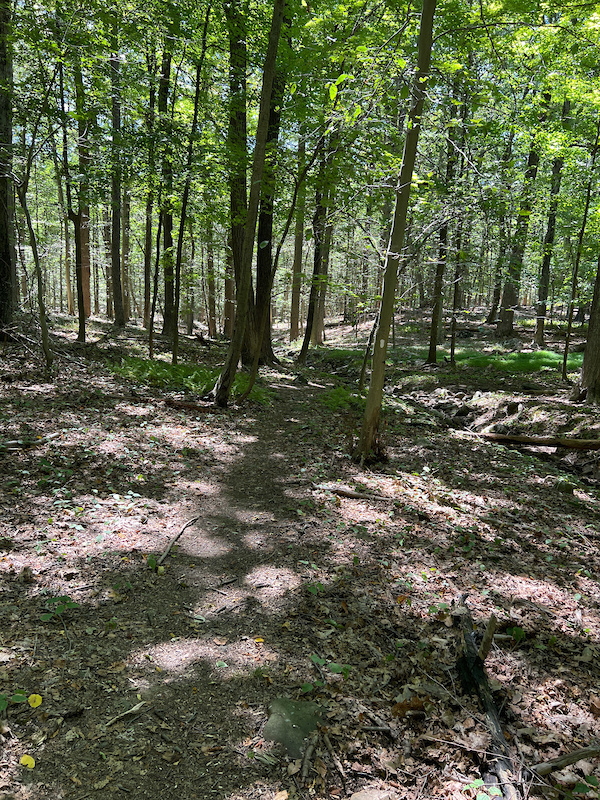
(566, 760)
(472, 673)
(539, 441)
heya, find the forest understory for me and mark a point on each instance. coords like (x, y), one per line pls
(171, 575)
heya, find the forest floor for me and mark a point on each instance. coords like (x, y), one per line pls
(300, 575)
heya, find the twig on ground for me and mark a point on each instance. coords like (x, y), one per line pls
(172, 542)
(18, 444)
(343, 491)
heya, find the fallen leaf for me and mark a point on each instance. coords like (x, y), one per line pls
(34, 700)
(27, 761)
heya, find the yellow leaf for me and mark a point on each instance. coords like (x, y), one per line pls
(34, 700)
(27, 761)
(259, 640)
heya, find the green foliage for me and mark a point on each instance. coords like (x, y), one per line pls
(519, 363)
(6, 700)
(487, 794)
(188, 377)
(56, 607)
(518, 634)
(341, 399)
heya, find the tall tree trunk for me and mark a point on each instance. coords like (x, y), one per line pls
(7, 253)
(512, 284)
(548, 247)
(298, 247)
(187, 186)
(579, 251)
(260, 315)
(83, 152)
(368, 443)
(150, 120)
(125, 253)
(116, 172)
(436, 332)
(318, 225)
(237, 133)
(211, 284)
(223, 387)
(169, 321)
(590, 371)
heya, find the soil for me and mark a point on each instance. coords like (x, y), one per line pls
(297, 574)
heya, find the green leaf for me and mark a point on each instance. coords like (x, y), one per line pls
(19, 698)
(333, 90)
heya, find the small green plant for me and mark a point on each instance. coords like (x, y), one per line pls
(6, 700)
(56, 607)
(518, 634)
(315, 588)
(487, 794)
(590, 784)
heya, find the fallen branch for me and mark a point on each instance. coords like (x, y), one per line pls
(539, 441)
(473, 674)
(172, 542)
(546, 767)
(18, 444)
(187, 406)
(343, 491)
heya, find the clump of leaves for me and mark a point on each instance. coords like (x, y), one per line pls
(56, 607)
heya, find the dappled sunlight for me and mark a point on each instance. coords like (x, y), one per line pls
(225, 657)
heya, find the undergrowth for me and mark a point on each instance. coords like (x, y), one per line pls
(194, 378)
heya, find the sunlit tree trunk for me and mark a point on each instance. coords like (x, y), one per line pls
(224, 384)
(368, 442)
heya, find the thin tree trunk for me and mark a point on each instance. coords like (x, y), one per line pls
(590, 371)
(125, 252)
(8, 281)
(368, 442)
(298, 248)
(150, 121)
(83, 152)
(579, 251)
(512, 285)
(225, 382)
(115, 239)
(186, 188)
(169, 320)
(548, 247)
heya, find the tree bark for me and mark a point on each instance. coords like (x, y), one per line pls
(368, 442)
(83, 152)
(150, 122)
(8, 280)
(169, 320)
(225, 382)
(115, 238)
(590, 370)
(510, 295)
(548, 246)
(298, 247)
(186, 188)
